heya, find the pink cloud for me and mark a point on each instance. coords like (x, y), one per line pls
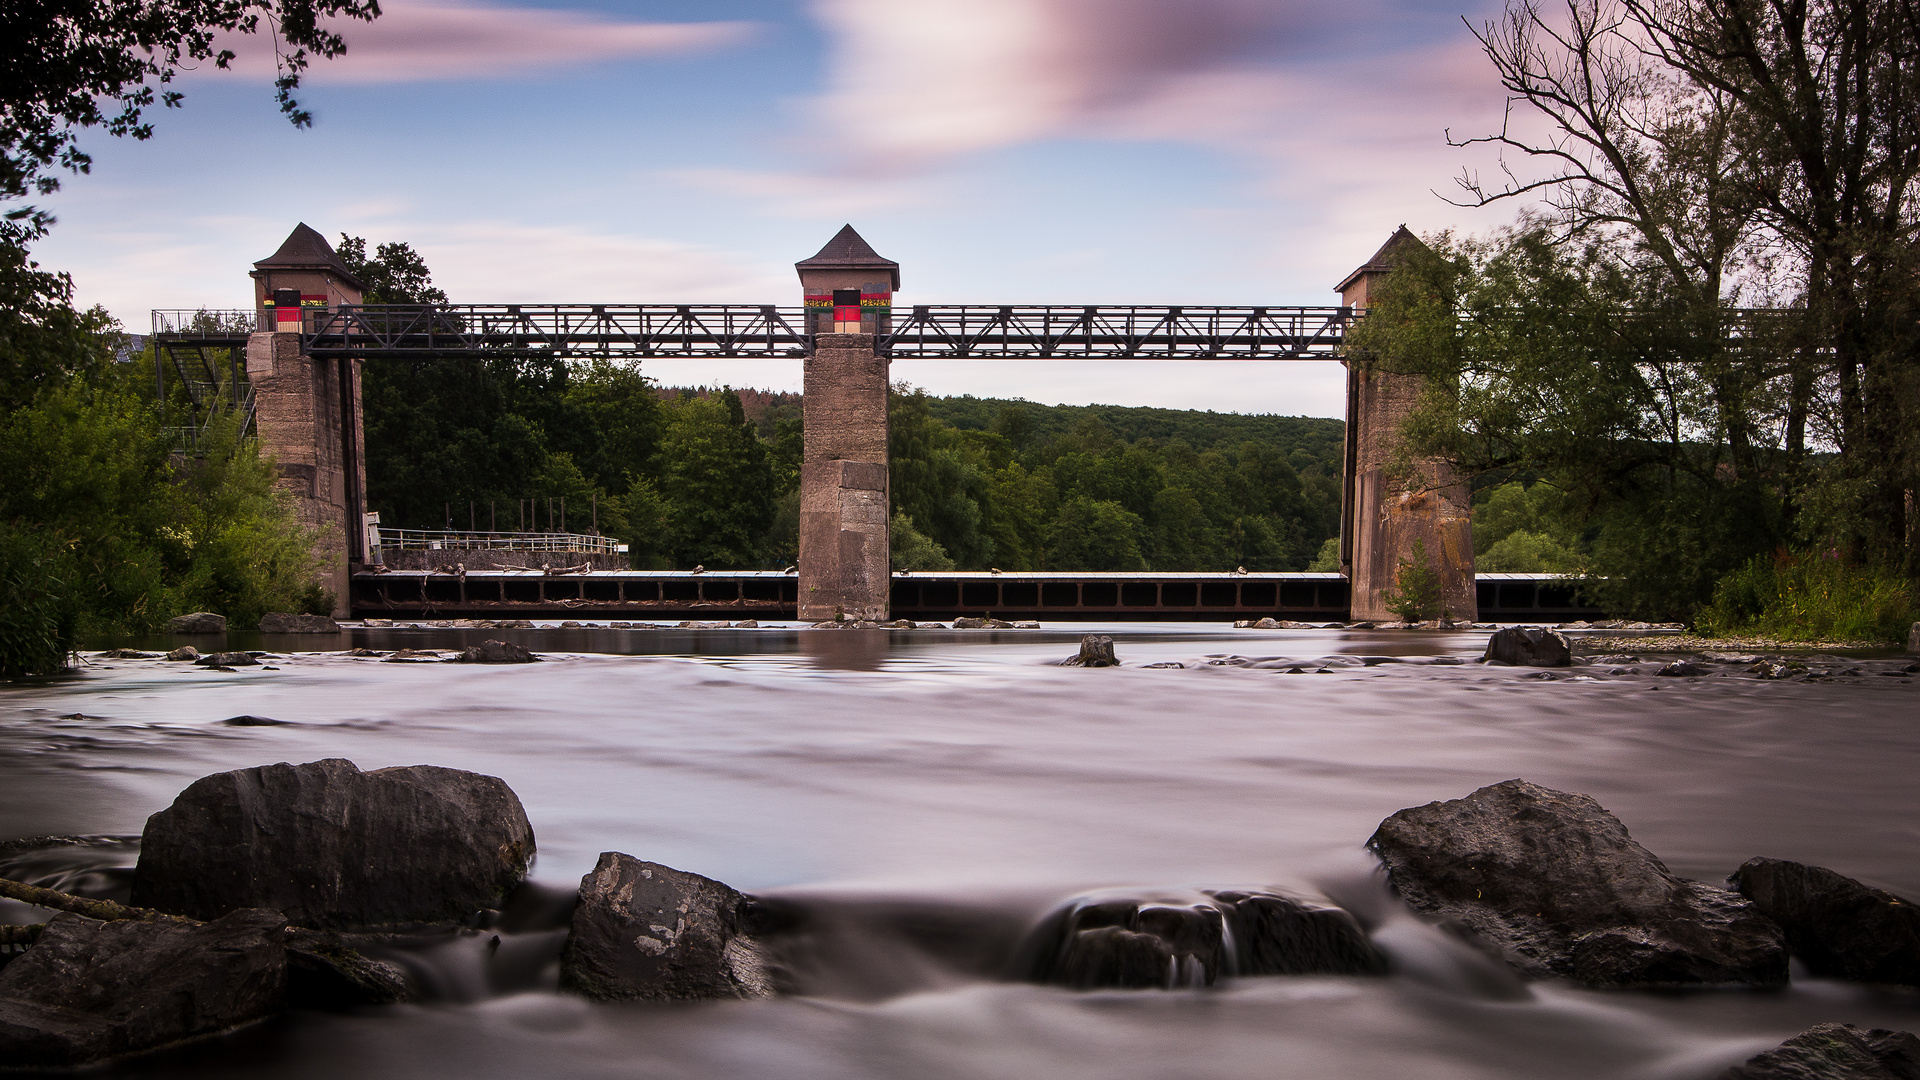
(426, 40)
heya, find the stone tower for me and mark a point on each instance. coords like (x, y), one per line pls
(1383, 516)
(307, 410)
(845, 562)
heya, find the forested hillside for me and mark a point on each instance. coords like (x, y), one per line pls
(712, 477)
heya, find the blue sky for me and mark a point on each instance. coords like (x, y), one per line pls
(1011, 151)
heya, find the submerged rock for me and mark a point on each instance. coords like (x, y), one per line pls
(1096, 650)
(90, 991)
(200, 622)
(966, 623)
(129, 654)
(281, 622)
(496, 652)
(334, 847)
(1194, 938)
(1834, 924)
(1836, 1052)
(1684, 669)
(184, 652)
(228, 660)
(1529, 647)
(650, 932)
(1556, 885)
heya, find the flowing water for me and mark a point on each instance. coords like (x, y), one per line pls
(931, 794)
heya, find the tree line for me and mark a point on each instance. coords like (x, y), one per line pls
(689, 477)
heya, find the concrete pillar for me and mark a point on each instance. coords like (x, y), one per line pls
(1385, 517)
(307, 411)
(845, 566)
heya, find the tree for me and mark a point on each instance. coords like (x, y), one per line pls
(1750, 151)
(74, 64)
(396, 274)
(717, 483)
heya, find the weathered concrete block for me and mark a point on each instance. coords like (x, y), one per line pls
(845, 561)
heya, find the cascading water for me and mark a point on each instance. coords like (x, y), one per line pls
(928, 810)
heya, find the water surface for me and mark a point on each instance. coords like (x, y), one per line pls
(872, 772)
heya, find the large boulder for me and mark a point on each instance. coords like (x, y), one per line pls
(1836, 1052)
(90, 991)
(650, 932)
(334, 847)
(1194, 938)
(200, 622)
(1096, 650)
(1834, 924)
(1554, 883)
(1529, 647)
(280, 622)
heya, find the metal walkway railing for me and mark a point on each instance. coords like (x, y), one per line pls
(451, 540)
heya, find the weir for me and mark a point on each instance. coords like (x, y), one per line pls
(314, 334)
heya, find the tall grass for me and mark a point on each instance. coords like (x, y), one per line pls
(1812, 598)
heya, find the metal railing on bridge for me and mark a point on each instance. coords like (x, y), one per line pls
(451, 540)
(925, 331)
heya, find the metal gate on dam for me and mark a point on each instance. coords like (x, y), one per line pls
(680, 594)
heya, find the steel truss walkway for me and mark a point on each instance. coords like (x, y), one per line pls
(927, 331)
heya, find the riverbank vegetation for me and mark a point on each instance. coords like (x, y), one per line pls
(1703, 340)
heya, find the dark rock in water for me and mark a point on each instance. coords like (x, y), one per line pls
(129, 654)
(200, 622)
(1684, 668)
(1529, 647)
(327, 975)
(280, 622)
(184, 652)
(650, 932)
(1836, 1052)
(334, 847)
(227, 660)
(1834, 924)
(1553, 882)
(253, 721)
(496, 652)
(90, 991)
(1096, 650)
(1193, 938)
(981, 624)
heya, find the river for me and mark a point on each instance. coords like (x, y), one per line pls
(897, 779)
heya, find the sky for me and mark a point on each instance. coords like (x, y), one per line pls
(1002, 151)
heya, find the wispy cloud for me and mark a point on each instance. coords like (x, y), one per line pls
(429, 40)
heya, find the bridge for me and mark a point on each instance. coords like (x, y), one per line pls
(309, 334)
(927, 332)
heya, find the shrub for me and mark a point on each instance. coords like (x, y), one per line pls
(37, 612)
(1812, 598)
(1416, 593)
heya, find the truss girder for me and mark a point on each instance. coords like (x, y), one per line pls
(1116, 332)
(937, 332)
(556, 330)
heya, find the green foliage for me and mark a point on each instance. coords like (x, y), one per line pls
(140, 537)
(38, 616)
(913, 549)
(1415, 596)
(1521, 529)
(1812, 598)
(396, 274)
(717, 482)
(1328, 560)
(1663, 457)
(1028, 487)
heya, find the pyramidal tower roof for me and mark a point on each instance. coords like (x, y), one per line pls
(849, 251)
(1387, 257)
(305, 249)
